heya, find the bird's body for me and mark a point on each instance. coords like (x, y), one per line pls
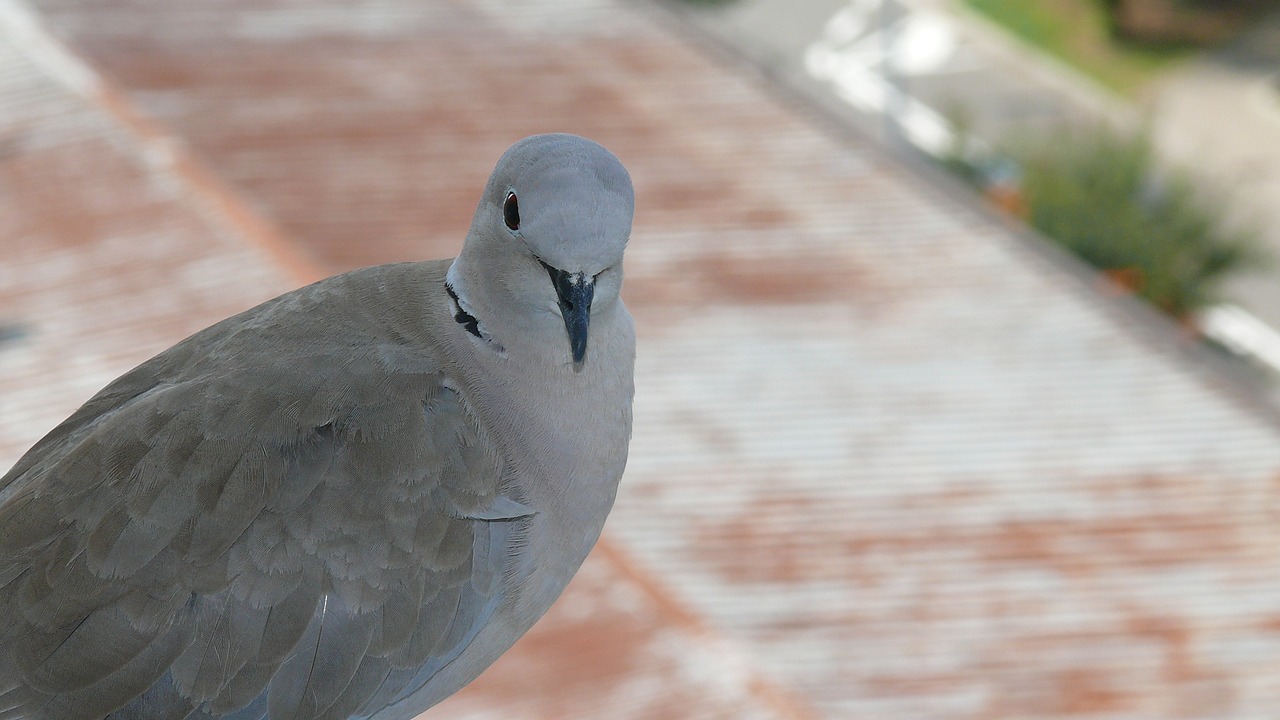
(345, 502)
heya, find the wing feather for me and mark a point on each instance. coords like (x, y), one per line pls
(322, 663)
(126, 681)
(161, 702)
(227, 633)
(222, 534)
(373, 671)
(92, 649)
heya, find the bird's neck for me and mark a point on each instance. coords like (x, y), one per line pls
(526, 356)
(508, 318)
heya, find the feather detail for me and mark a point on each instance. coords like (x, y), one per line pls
(165, 549)
(322, 663)
(120, 686)
(227, 633)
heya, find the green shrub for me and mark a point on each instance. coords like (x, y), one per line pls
(1100, 195)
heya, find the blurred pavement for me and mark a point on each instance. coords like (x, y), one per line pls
(892, 459)
(1219, 115)
(949, 65)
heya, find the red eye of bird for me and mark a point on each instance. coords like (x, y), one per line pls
(511, 212)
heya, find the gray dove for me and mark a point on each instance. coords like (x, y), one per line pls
(347, 501)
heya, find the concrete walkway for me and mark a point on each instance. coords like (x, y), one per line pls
(925, 63)
(1219, 116)
(948, 67)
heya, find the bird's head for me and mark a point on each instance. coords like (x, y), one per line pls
(548, 236)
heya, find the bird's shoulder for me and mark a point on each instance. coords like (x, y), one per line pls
(305, 467)
(337, 337)
(337, 385)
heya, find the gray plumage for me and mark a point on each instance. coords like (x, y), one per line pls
(347, 501)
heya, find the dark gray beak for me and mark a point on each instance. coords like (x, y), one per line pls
(575, 291)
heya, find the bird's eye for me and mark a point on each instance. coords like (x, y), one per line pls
(511, 212)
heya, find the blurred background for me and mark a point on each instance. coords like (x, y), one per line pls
(957, 380)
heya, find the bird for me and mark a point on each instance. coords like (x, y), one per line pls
(347, 501)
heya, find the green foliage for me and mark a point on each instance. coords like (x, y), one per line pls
(1101, 196)
(1081, 33)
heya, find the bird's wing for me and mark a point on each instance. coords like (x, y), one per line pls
(305, 533)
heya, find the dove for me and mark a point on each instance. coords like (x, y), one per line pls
(347, 501)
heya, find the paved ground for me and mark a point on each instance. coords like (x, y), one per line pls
(889, 462)
(1220, 116)
(947, 66)
(951, 68)
(945, 69)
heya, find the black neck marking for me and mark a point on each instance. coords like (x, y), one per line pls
(460, 316)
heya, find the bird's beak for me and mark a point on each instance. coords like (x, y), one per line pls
(574, 291)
